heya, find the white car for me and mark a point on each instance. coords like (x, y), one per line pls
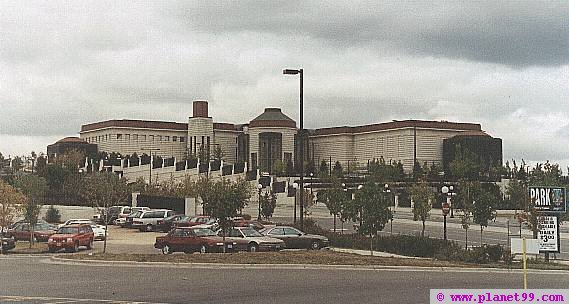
(98, 230)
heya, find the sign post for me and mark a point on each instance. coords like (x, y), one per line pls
(445, 208)
(525, 247)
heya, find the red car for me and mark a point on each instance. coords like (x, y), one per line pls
(70, 237)
(21, 232)
(188, 240)
(193, 221)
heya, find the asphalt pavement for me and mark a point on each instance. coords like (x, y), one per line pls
(38, 280)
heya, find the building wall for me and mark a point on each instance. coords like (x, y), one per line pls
(133, 140)
(287, 140)
(395, 145)
(227, 140)
(199, 129)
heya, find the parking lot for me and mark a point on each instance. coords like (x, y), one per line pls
(123, 240)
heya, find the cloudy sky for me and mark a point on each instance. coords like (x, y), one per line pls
(502, 64)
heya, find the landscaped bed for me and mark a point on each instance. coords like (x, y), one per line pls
(322, 257)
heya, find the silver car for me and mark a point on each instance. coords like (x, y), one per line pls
(147, 220)
(249, 239)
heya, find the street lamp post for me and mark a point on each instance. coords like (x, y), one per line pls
(388, 191)
(260, 187)
(301, 145)
(445, 209)
(295, 186)
(451, 193)
(151, 160)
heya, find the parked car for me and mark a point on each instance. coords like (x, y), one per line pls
(249, 239)
(148, 219)
(295, 238)
(165, 225)
(71, 237)
(21, 231)
(255, 224)
(117, 212)
(98, 230)
(188, 240)
(7, 243)
(193, 221)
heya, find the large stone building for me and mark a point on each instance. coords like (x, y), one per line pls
(273, 136)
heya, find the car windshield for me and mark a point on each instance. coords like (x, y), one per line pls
(135, 214)
(250, 232)
(44, 227)
(204, 232)
(68, 230)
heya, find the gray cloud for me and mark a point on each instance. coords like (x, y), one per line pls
(512, 33)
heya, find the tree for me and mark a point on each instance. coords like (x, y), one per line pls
(17, 164)
(465, 165)
(222, 199)
(337, 170)
(334, 198)
(465, 224)
(323, 170)
(423, 197)
(483, 210)
(35, 188)
(71, 160)
(103, 190)
(268, 204)
(218, 154)
(278, 167)
(373, 203)
(11, 201)
(289, 167)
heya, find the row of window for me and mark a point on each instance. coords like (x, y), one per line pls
(101, 138)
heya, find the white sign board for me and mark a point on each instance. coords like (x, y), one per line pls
(532, 246)
(548, 234)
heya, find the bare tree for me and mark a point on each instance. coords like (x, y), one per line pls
(103, 190)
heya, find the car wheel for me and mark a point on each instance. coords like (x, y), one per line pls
(51, 250)
(203, 249)
(75, 247)
(149, 227)
(90, 244)
(166, 249)
(253, 247)
(315, 245)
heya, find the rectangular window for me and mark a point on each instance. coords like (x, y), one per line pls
(127, 136)
(134, 136)
(143, 137)
(106, 136)
(174, 138)
(119, 136)
(151, 137)
(159, 137)
(166, 138)
(182, 139)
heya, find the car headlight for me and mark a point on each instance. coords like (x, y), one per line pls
(219, 244)
(70, 239)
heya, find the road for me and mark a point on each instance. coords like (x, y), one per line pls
(37, 280)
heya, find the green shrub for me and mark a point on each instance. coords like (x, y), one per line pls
(52, 215)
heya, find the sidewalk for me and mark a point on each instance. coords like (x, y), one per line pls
(375, 253)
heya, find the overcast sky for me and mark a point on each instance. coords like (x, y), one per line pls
(501, 64)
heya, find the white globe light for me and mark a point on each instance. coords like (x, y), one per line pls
(444, 189)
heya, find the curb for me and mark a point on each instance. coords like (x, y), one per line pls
(65, 261)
